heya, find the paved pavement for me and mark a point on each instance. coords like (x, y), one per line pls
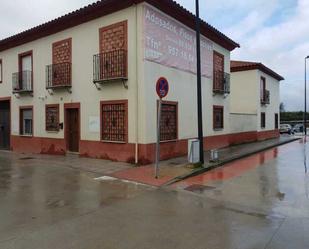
(272, 185)
(249, 148)
(257, 202)
(179, 168)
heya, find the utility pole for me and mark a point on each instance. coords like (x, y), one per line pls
(305, 114)
(199, 82)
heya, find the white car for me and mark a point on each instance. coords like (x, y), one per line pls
(286, 128)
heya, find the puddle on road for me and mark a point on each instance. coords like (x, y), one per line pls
(56, 203)
(230, 170)
(113, 189)
(268, 216)
(197, 188)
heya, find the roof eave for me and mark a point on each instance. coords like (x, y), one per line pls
(106, 7)
(260, 67)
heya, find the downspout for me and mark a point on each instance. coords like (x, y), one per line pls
(137, 89)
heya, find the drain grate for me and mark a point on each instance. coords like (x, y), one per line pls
(26, 158)
(197, 188)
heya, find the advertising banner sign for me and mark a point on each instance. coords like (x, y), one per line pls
(172, 44)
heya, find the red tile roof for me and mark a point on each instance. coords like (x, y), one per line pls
(237, 66)
(105, 7)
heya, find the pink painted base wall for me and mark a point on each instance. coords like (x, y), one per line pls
(126, 152)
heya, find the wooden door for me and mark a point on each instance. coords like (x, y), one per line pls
(5, 125)
(72, 129)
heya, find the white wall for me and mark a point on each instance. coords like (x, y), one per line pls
(183, 90)
(244, 92)
(85, 43)
(245, 99)
(273, 86)
(141, 93)
(240, 122)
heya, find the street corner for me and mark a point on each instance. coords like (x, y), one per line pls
(146, 174)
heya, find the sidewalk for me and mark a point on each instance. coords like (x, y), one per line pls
(177, 169)
(95, 167)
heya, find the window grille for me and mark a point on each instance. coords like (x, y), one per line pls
(168, 129)
(263, 120)
(114, 122)
(218, 117)
(52, 118)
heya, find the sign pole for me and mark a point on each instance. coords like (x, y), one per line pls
(199, 83)
(162, 88)
(158, 139)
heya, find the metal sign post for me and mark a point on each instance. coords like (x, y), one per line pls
(158, 139)
(162, 89)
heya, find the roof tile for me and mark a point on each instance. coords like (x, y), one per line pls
(238, 66)
(105, 7)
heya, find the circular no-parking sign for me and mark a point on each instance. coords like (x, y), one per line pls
(162, 87)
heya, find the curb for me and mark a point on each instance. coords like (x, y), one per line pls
(221, 163)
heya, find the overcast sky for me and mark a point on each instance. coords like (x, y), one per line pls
(275, 32)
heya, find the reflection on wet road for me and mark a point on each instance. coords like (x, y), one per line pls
(274, 179)
(274, 183)
(257, 202)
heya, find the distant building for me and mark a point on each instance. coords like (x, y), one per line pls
(255, 100)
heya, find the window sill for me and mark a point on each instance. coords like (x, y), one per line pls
(29, 136)
(218, 129)
(169, 141)
(113, 142)
(52, 131)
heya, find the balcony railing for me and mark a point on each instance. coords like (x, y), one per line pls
(221, 82)
(265, 98)
(58, 75)
(110, 66)
(22, 82)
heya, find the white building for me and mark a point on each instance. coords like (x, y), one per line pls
(255, 100)
(85, 83)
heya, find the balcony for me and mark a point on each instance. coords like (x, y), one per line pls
(58, 76)
(265, 98)
(22, 82)
(221, 83)
(110, 66)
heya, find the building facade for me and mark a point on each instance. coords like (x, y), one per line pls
(255, 99)
(85, 83)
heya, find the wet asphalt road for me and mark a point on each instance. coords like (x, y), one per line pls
(258, 202)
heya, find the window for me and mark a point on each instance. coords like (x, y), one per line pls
(59, 73)
(276, 121)
(52, 117)
(218, 117)
(263, 88)
(62, 51)
(25, 71)
(169, 121)
(1, 71)
(114, 37)
(114, 121)
(218, 64)
(26, 121)
(112, 62)
(263, 120)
